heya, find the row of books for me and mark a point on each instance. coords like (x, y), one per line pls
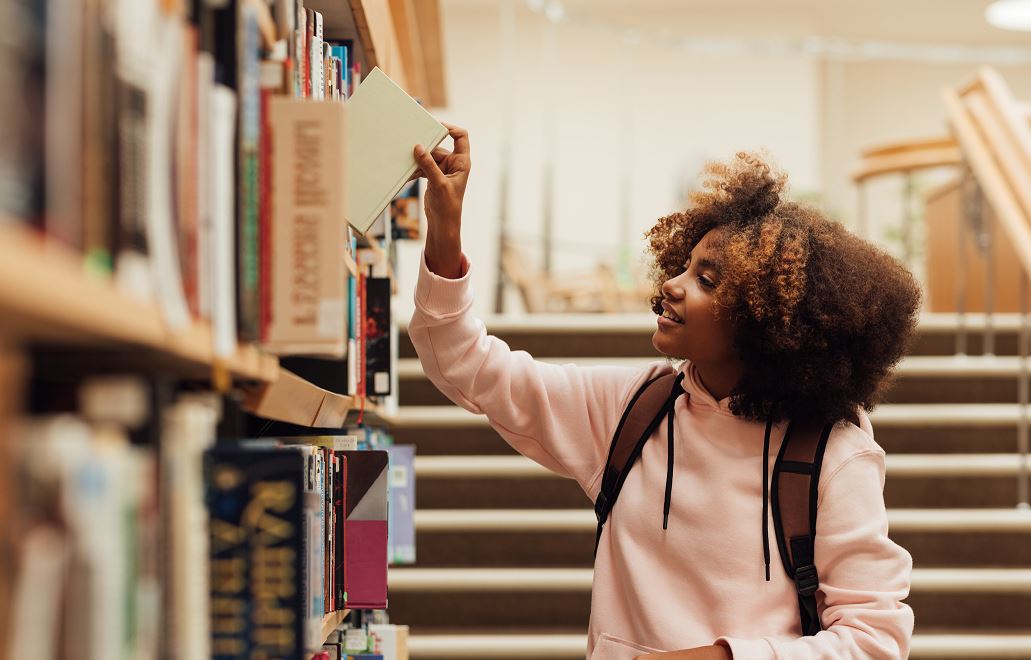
(198, 546)
(156, 162)
(366, 635)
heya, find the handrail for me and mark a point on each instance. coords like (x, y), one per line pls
(992, 130)
(907, 156)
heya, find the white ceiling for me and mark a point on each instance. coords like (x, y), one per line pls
(925, 21)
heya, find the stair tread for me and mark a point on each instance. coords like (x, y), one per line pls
(965, 366)
(895, 414)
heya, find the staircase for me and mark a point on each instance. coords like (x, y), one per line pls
(504, 547)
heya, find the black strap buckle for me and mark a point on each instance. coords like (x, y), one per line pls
(806, 580)
(601, 508)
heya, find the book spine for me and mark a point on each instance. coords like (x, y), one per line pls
(272, 76)
(309, 313)
(248, 292)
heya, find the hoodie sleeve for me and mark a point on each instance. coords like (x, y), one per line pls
(864, 575)
(558, 416)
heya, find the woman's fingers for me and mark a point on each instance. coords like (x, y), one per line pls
(429, 166)
(460, 136)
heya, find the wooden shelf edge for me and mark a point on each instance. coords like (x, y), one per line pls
(46, 295)
(330, 622)
(292, 399)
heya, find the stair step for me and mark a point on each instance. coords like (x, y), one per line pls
(942, 366)
(431, 580)
(573, 548)
(920, 379)
(905, 415)
(551, 645)
(644, 323)
(897, 466)
(544, 335)
(958, 521)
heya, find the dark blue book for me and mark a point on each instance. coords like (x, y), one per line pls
(255, 499)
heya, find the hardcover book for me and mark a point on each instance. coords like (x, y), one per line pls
(384, 126)
(309, 278)
(257, 533)
(365, 530)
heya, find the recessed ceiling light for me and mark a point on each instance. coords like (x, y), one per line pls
(1009, 14)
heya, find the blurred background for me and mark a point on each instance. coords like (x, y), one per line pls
(591, 119)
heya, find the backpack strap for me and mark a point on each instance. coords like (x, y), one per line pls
(796, 480)
(640, 419)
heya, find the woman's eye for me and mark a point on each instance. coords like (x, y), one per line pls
(706, 282)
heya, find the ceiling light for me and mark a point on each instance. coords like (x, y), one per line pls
(1009, 14)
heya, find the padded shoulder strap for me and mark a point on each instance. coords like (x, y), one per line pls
(795, 489)
(640, 419)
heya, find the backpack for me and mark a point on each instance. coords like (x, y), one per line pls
(796, 477)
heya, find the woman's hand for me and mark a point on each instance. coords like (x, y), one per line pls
(446, 174)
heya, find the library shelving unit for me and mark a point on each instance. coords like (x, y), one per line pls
(48, 297)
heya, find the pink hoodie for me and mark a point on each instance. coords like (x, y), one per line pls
(702, 580)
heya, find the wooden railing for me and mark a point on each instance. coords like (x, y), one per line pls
(994, 137)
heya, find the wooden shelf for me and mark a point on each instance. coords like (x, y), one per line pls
(402, 37)
(331, 622)
(350, 265)
(46, 295)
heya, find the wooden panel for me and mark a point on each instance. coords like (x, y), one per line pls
(409, 46)
(427, 17)
(12, 380)
(944, 212)
(380, 28)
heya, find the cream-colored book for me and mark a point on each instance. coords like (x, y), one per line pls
(384, 125)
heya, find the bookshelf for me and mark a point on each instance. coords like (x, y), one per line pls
(46, 296)
(331, 622)
(148, 409)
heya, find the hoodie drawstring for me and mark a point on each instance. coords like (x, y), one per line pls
(766, 490)
(673, 395)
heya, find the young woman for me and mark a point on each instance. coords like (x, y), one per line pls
(771, 312)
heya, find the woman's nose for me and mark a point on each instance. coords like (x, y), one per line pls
(672, 289)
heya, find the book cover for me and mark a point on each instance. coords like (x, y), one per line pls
(405, 213)
(401, 536)
(271, 77)
(339, 516)
(377, 336)
(187, 168)
(309, 278)
(223, 199)
(255, 502)
(366, 529)
(384, 125)
(389, 640)
(248, 183)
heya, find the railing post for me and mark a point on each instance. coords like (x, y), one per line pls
(1024, 383)
(961, 263)
(986, 241)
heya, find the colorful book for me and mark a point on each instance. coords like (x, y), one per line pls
(257, 532)
(401, 535)
(365, 529)
(309, 278)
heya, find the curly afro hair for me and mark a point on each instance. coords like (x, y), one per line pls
(820, 316)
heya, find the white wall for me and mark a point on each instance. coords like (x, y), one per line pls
(650, 115)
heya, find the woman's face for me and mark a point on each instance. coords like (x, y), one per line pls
(688, 327)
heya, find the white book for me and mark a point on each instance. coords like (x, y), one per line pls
(384, 125)
(318, 80)
(222, 197)
(161, 233)
(206, 156)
